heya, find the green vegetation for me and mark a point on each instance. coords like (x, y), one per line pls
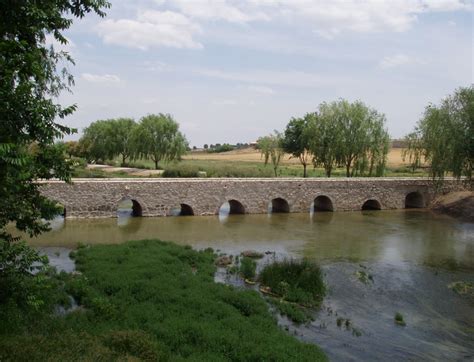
(351, 135)
(296, 141)
(271, 148)
(157, 137)
(248, 267)
(295, 281)
(463, 288)
(154, 301)
(30, 86)
(399, 319)
(444, 137)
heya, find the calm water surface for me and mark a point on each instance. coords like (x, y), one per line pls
(413, 256)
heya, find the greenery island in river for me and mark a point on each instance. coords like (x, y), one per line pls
(149, 300)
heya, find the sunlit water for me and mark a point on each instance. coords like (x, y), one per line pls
(413, 256)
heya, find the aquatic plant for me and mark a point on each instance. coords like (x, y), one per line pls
(295, 281)
(159, 303)
(399, 319)
(248, 267)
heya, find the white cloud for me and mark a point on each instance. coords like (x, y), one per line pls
(151, 29)
(327, 18)
(224, 102)
(68, 47)
(100, 78)
(291, 78)
(261, 90)
(398, 60)
(220, 10)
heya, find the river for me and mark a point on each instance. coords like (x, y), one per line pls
(412, 256)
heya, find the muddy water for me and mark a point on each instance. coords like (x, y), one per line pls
(411, 256)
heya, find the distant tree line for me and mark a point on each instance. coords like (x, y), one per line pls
(155, 137)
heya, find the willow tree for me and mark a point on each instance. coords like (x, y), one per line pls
(350, 135)
(445, 135)
(157, 137)
(32, 77)
(271, 148)
(295, 141)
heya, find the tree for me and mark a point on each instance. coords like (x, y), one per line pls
(121, 137)
(97, 142)
(351, 135)
(323, 139)
(413, 151)
(271, 148)
(30, 84)
(296, 142)
(157, 137)
(445, 135)
(206, 146)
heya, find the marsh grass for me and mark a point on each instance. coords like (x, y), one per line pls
(295, 281)
(151, 300)
(248, 267)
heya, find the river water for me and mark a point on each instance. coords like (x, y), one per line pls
(412, 256)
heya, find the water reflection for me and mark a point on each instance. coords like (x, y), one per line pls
(403, 235)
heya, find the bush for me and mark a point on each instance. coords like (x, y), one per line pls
(248, 267)
(295, 281)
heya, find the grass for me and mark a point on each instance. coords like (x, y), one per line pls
(298, 285)
(295, 281)
(248, 267)
(151, 300)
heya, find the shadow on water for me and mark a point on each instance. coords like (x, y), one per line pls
(412, 257)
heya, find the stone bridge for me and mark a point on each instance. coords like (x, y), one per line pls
(87, 198)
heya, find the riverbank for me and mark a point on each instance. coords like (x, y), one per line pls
(150, 300)
(456, 204)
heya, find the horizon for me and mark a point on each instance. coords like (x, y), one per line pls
(233, 71)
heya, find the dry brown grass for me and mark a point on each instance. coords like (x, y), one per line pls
(252, 155)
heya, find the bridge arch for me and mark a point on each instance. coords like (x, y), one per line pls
(129, 205)
(322, 203)
(371, 204)
(414, 200)
(186, 210)
(236, 207)
(279, 205)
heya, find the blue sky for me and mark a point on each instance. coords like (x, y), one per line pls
(231, 71)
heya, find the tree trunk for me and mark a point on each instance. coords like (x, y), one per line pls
(348, 169)
(124, 158)
(156, 164)
(304, 170)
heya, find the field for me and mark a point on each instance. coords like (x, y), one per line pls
(238, 163)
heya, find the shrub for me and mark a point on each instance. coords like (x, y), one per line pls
(248, 267)
(295, 281)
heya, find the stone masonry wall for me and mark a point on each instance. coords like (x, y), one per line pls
(88, 198)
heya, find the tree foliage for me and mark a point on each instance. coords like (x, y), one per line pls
(296, 142)
(32, 75)
(350, 135)
(106, 139)
(444, 136)
(271, 148)
(157, 137)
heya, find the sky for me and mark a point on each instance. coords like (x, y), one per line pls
(231, 71)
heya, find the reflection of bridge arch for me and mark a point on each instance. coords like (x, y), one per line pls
(371, 204)
(323, 203)
(136, 209)
(414, 200)
(279, 205)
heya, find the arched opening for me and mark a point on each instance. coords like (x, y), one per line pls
(371, 205)
(279, 205)
(57, 222)
(323, 203)
(235, 207)
(414, 200)
(129, 208)
(186, 210)
(181, 210)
